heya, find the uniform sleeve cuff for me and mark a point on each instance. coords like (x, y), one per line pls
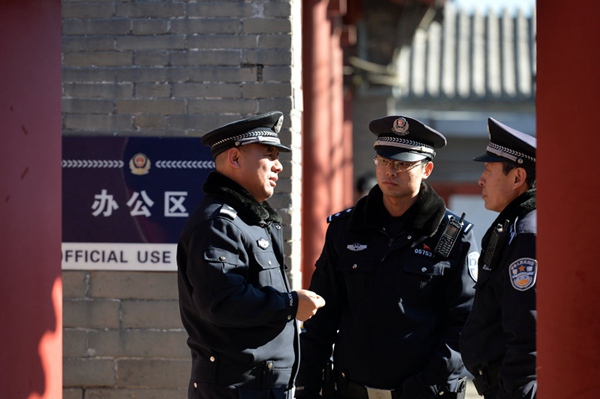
(291, 305)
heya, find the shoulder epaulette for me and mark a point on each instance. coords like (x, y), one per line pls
(467, 226)
(527, 224)
(339, 215)
(228, 211)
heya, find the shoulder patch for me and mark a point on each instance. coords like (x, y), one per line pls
(523, 273)
(472, 262)
(228, 211)
(339, 215)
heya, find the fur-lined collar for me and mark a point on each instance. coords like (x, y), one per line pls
(250, 210)
(422, 218)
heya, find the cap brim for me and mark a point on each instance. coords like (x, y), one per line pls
(487, 157)
(283, 148)
(274, 143)
(400, 155)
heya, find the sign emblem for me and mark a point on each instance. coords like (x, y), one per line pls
(400, 126)
(264, 244)
(139, 164)
(523, 273)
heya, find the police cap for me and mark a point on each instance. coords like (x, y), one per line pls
(508, 144)
(259, 129)
(405, 139)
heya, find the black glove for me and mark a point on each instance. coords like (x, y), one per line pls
(415, 388)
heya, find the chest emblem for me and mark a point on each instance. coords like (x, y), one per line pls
(356, 247)
(264, 244)
(523, 273)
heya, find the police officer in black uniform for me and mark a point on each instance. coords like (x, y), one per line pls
(234, 297)
(394, 273)
(498, 341)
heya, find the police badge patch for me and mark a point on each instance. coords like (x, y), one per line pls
(472, 261)
(523, 273)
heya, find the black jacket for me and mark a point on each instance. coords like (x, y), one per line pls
(234, 295)
(398, 307)
(499, 336)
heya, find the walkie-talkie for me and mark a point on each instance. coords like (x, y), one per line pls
(495, 245)
(449, 236)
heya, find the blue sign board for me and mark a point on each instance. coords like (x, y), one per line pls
(126, 199)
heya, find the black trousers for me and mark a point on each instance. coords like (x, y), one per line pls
(200, 390)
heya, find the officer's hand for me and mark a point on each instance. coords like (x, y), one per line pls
(308, 303)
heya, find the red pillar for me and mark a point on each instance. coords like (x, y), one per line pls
(326, 146)
(568, 82)
(30, 199)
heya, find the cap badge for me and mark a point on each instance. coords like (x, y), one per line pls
(278, 125)
(400, 127)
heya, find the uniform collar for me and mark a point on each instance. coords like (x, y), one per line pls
(250, 210)
(519, 207)
(422, 218)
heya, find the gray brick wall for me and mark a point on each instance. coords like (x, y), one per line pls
(161, 58)
(176, 68)
(122, 332)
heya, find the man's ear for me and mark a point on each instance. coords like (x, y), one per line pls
(233, 157)
(428, 170)
(519, 177)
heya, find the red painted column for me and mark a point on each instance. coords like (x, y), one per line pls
(341, 194)
(30, 199)
(326, 169)
(568, 82)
